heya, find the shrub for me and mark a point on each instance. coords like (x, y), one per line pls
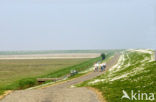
(103, 56)
(27, 82)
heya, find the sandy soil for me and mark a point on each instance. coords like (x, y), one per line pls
(51, 56)
(61, 92)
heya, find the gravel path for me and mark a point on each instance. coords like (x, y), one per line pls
(61, 92)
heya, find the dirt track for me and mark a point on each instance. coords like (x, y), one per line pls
(60, 92)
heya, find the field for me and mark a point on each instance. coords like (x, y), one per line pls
(135, 71)
(12, 71)
(20, 71)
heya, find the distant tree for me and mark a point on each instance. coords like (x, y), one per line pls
(103, 56)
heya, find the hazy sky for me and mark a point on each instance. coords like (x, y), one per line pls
(77, 24)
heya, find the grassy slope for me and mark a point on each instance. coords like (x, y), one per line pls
(31, 81)
(13, 70)
(80, 67)
(135, 72)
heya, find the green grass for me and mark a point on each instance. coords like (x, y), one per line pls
(78, 67)
(29, 80)
(22, 73)
(141, 78)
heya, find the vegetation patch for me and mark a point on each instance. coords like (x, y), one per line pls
(30, 81)
(19, 74)
(135, 71)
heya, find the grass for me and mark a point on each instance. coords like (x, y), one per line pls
(135, 71)
(79, 67)
(30, 80)
(22, 73)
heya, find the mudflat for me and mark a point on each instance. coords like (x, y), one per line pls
(51, 56)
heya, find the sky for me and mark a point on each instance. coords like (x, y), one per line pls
(77, 24)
